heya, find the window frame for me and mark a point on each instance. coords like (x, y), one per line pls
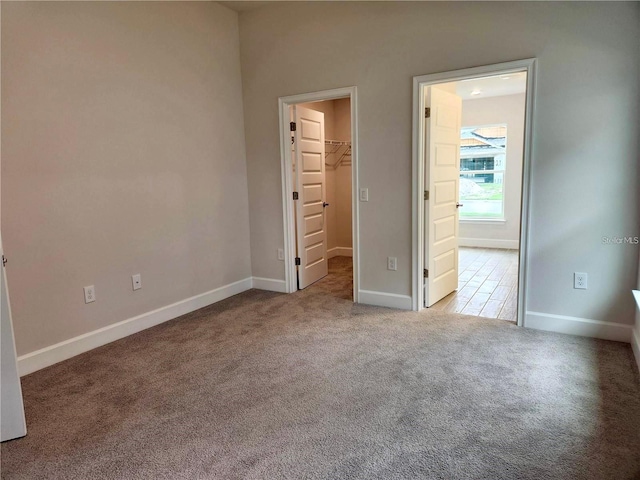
(502, 218)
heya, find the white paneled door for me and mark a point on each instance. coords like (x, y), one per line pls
(442, 181)
(12, 421)
(310, 207)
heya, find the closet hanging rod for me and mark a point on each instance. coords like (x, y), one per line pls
(337, 143)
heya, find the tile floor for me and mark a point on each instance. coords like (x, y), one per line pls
(487, 284)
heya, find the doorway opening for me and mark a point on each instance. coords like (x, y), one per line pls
(319, 174)
(471, 168)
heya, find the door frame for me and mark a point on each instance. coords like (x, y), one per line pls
(286, 163)
(418, 142)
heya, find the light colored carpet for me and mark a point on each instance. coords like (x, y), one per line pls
(308, 386)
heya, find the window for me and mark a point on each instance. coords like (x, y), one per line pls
(482, 168)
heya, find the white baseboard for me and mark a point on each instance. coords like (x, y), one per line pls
(48, 356)
(269, 284)
(488, 243)
(382, 299)
(340, 252)
(579, 326)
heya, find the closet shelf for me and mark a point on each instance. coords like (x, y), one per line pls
(340, 150)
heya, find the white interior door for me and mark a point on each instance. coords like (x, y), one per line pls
(12, 422)
(311, 234)
(442, 180)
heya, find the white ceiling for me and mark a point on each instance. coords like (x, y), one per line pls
(495, 86)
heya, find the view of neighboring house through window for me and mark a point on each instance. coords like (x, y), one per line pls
(482, 167)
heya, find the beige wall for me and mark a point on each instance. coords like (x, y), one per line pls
(509, 110)
(123, 153)
(124, 149)
(344, 204)
(584, 170)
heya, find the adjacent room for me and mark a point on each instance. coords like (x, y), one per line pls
(169, 311)
(491, 147)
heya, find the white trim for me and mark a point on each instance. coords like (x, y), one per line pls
(583, 327)
(383, 299)
(635, 345)
(417, 225)
(527, 158)
(636, 296)
(635, 336)
(483, 221)
(53, 354)
(286, 166)
(340, 252)
(270, 284)
(488, 243)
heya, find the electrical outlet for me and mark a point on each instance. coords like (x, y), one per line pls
(364, 194)
(392, 263)
(580, 280)
(89, 294)
(136, 280)
(281, 254)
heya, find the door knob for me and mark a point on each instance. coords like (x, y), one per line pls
(458, 205)
(325, 204)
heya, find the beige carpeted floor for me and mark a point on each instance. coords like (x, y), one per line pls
(310, 386)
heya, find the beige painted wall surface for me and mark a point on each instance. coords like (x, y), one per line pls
(588, 69)
(123, 153)
(344, 237)
(343, 208)
(507, 109)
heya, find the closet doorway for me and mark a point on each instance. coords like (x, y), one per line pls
(319, 181)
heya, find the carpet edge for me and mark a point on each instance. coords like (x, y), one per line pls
(45, 357)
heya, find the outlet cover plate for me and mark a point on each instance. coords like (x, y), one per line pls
(580, 280)
(89, 294)
(392, 263)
